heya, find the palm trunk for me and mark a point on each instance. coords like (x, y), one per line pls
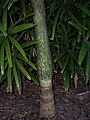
(44, 62)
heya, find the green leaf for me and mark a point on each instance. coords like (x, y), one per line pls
(5, 18)
(86, 38)
(75, 19)
(66, 80)
(75, 25)
(28, 62)
(72, 66)
(9, 79)
(82, 53)
(21, 19)
(2, 29)
(34, 78)
(2, 59)
(2, 78)
(65, 64)
(84, 9)
(64, 33)
(29, 43)
(8, 52)
(1, 38)
(24, 7)
(5, 2)
(88, 44)
(20, 36)
(88, 67)
(19, 28)
(79, 36)
(60, 55)
(55, 22)
(18, 81)
(51, 12)
(18, 46)
(22, 69)
(79, 70)
(10, 5)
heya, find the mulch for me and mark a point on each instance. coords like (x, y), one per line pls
(71, 105)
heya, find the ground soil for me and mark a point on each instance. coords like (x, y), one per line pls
(71, 105)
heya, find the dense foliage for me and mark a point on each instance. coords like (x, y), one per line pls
(69, 32)
(68, 24)
(16, 43)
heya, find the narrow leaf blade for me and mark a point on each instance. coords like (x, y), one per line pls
(9, 80)
(22, 69)
(28, 62)
(66, 80)
(20, 28)
(2, 59)
(2, 29)
(17, 78)
(29, 43)
(18, 46)
(8, 52)
(88, 67)
(84, 9)
(82, 53)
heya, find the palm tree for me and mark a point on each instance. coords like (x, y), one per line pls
(44, 62)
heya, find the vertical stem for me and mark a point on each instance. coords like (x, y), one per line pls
(44, 61)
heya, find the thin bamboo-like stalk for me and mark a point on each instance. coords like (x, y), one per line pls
(44, 62)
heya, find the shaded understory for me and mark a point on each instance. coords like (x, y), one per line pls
(73, 105)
